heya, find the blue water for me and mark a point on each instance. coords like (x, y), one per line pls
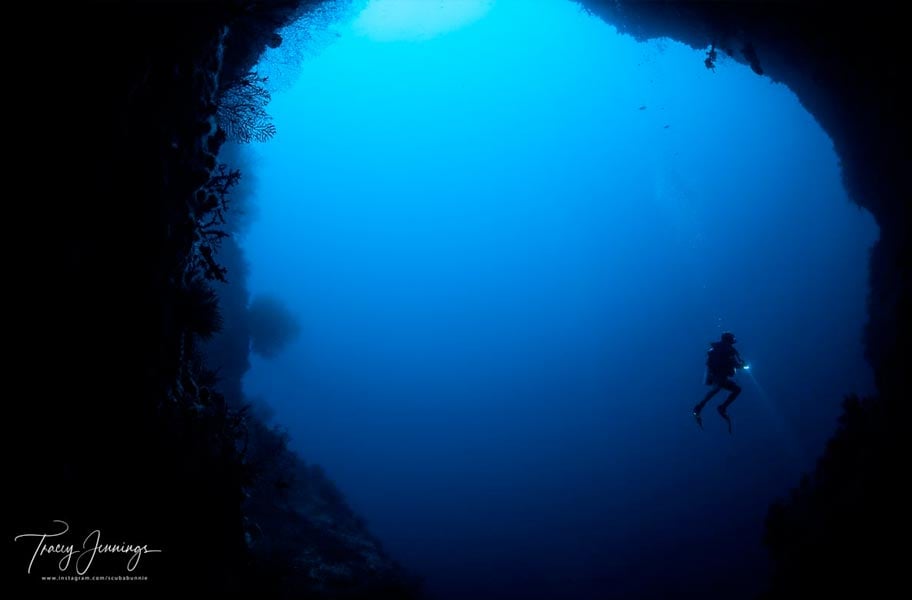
(509, 243)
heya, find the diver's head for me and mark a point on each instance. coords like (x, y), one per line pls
(728, 337)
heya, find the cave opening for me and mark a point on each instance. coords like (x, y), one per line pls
(508, 234)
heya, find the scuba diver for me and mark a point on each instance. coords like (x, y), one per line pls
(721, 361)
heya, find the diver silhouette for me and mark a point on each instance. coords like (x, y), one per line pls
(721, 361)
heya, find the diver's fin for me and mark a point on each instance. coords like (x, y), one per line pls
(725, 416)
(698, 419)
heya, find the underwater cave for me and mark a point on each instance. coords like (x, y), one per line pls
(467, 257)
(518, 232)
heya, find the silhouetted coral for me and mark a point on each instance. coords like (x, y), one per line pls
(242, 110)
(196, 309)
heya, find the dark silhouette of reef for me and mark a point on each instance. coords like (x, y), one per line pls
(123, 417)
(838, 534)
(131, 330)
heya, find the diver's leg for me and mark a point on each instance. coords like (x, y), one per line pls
(715, 390)
(699, 407)
(735, 389)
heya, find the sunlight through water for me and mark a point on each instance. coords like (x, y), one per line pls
(413, 20)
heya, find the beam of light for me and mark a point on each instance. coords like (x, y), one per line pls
(788, 435)
(417, 20)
